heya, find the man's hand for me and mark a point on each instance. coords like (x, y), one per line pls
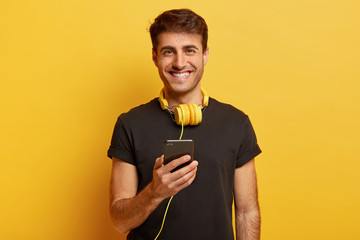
(130, 208)
(166, 183)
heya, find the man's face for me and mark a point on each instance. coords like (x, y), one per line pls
(180, 60)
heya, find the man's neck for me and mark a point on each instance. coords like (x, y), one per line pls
(174, 100)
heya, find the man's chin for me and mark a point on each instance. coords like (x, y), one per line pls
(180, 90)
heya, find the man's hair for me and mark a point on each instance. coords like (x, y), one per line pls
(178, 21)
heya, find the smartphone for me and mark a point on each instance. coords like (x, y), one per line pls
(174, 149)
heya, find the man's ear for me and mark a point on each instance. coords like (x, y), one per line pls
(206, 56)
(154, 57)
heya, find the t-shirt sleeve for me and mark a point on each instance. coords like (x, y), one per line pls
(121, 146)
(249, 147)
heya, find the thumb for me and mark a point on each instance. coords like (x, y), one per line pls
(159, 162)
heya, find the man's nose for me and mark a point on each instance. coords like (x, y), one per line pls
(179, 61)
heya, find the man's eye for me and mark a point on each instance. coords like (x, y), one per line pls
(168, 52)
(191, 51)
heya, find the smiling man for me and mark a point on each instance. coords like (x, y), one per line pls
(202, 192)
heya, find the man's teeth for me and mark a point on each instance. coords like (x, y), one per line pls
(180, 75)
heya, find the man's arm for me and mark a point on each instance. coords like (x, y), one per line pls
(247, 214)
(129, 209)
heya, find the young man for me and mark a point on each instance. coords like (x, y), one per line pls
(225, 147)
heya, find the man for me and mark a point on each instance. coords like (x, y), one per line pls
(225, 147)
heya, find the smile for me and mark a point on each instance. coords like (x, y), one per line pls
(181, 75)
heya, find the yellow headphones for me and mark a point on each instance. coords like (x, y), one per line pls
(186, 114)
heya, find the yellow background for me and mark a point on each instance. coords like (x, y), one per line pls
(69, 68)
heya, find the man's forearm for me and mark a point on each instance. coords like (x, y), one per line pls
(248, 225)
(128, 214)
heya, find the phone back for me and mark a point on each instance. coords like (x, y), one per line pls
(174, 149)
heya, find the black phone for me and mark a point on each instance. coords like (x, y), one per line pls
(174, 149)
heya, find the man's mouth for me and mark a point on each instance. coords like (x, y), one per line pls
(181, 75)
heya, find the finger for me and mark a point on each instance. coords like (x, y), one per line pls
(182, 175)
(177, 162)
(185, 181)
(184, 170)
(159, 162)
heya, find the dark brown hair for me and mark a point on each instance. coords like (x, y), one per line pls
(179, 20)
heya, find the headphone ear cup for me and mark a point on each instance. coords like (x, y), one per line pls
(182, 115)
(178, 115)
(188, 114)
(192, 117)
(197, 114)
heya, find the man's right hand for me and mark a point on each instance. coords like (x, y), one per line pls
(130, 208)
(166, 183)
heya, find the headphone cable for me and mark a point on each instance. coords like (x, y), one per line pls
(171, 198)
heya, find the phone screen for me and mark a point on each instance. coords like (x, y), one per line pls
(174, 149)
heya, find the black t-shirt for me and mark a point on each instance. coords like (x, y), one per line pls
(224, 141)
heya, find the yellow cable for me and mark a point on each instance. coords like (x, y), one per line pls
(167, 207)
(162, 225)
(182, 130)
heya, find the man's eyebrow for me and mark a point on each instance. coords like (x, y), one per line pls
(190, 46)
(167, 48)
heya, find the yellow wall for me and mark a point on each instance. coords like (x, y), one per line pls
(69, 68)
